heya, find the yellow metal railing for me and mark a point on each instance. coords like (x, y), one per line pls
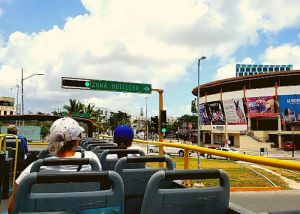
(286, 164)
(3, 142)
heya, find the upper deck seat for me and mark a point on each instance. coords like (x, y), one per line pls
(110, 163)
(69, 187)
(135, 180)
(101, 201)
(160, 200)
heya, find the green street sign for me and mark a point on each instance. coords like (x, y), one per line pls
(105, 85)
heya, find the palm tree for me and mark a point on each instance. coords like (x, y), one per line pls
(74, 107)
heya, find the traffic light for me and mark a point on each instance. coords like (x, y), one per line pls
(154, 124)
(163, 115)
(75, 83)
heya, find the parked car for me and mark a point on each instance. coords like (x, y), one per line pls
(174, 150)
(289, 146)
(226, 149)
(153, 148)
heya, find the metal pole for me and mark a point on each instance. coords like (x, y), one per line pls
(146, 119)
(198, 110)
(22, 91)
(293, 145)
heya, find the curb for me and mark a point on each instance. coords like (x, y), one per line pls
(247, 189)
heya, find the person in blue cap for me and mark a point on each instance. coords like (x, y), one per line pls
(123, 136)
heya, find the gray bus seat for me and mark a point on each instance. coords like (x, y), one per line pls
(86, 143)
(188, 200)
(104, 201)
(45, 153)
(135, 180)
(66, 187)
(11, 142)
(109, 164)
(92, 146)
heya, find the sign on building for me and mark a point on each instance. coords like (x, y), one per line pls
(234, 111)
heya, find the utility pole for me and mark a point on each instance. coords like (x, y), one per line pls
(160, 108)
(146, 119)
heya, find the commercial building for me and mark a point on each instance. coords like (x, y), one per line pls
(7, 105)
(248, 69)
(252, 111)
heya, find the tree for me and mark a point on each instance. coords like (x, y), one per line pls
(118, 118)
(73, 107)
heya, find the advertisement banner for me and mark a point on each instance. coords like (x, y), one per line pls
(234, 111)
(29, 132)
(203, 115)
(216, 113)
(289, 106)
(260, 106)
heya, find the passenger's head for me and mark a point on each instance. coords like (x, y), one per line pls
(65, 134)
(12, 129)
(123, 136)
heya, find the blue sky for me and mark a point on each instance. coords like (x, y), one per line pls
(138, 41)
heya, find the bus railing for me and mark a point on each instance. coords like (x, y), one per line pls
(286, 164)
(3, 144)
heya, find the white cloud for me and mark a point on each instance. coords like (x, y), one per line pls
(283, 54)
(136, 41)
(1, 12)
(228, 71)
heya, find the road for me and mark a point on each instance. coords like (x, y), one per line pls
(268, 201)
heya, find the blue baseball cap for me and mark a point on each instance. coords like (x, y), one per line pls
(123, 134)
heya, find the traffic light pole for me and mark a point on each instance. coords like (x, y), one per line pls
(160, 106)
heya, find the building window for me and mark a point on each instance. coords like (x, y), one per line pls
(253, 69)
(271, 69)
(11, 112)
(242, 69)
(265, 69)
(259, 70)
(276, 68)
(5, 112)
(281, 68)
(288, 68)
(248, 69)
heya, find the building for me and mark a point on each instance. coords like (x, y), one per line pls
(247, 69)
(138, 123)
(171, 120)
(104, 114)
(252, 111)
(7, 105)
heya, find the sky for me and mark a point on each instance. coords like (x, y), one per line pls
(155, 42)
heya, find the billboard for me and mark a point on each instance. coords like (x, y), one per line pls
(260, 106)
(205, 120)
(234, 111)
(216, 113)
(289, 108)
(29, 132)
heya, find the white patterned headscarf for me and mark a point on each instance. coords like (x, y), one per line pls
(64, 130)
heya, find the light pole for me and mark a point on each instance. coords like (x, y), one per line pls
(146, 98)
(22, 87)
(198, 109)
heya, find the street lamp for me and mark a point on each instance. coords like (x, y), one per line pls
(198, 109)
(22, 87)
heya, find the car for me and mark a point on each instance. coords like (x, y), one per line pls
(289, 146)
(153, 148)
(174, 150)
(227, 149)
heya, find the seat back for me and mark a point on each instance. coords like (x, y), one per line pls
(60, 162)
(191, 200)
(135, 180)
(86, 143)
(103, 201)
(110, 163)
(92, 146)
(44, 153)
(11, 142)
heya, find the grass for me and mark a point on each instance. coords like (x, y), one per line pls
(293, 175)
(239, 175)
